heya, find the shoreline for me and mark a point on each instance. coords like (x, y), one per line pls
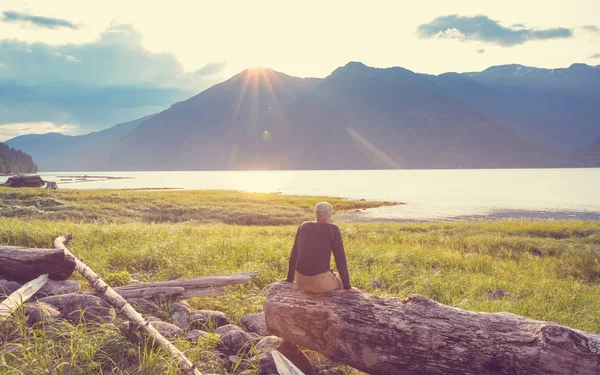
(500, 215)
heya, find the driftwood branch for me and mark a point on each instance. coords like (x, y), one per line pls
(386, 336)
(121, 305)
(163, 290)
(284, 366)
(16, 299)
(24, 264)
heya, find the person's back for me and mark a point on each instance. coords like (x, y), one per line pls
(311, 254)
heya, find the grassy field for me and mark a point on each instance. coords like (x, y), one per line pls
(550, 269)
(128, 206)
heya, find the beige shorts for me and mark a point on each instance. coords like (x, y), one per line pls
(320, 283)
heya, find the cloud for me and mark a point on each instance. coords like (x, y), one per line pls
(211, 68)
(595, 56)
(518, 25)
(94, 85)
(92, 107)
(452, 33)
(591, 28)
(117, 57)
(8, 131)
(39, 21)
(481, 51)
(483, 29)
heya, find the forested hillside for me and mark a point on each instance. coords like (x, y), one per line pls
(15, 161)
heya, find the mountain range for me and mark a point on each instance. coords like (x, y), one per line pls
(359, 117)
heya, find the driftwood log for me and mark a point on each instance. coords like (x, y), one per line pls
(16, 299)
(419, 336)
(284, 366)
(24, 264)
(165, 290)
(126, 309)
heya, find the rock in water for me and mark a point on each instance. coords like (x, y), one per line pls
(88, 309)
(25, 180)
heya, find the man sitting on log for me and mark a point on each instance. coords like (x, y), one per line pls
(311, 255)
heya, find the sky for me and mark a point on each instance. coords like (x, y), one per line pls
(77, 66)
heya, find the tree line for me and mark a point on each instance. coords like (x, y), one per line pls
(15, 161)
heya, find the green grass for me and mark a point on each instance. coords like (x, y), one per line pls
(550, 269)
(125, 206)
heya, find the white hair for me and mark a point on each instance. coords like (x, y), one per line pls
(323, 211)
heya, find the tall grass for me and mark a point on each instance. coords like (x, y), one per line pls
(550, 270)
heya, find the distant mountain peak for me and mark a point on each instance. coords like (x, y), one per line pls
(259, 70)
(580, 66)
(359, 69)
(520, 71)
(355, 65)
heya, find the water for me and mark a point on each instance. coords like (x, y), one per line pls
(428, 194)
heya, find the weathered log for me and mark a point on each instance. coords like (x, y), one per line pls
(21, 295)
(124, 307)
(284, 365)
(386, 336)
(197, 287)
(166, 290)
(24, 264)
(25, 180)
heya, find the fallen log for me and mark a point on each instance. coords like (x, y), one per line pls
(197, 287)
(166, 290)
(126, 309)
(16, 299)
(386, 336)
(24, 264)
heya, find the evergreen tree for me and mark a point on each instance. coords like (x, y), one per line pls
(15, 161)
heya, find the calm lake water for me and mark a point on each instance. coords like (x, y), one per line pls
(428, 194)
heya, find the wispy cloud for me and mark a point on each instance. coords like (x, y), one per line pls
(481, 51)
(595, 56)
(482, 28)
(592, 28)
(9, 131)
(39, 21)
(211, 68)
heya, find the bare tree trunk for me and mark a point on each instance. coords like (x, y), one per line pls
(16, 299)
(121, 305)
(24, 264)
(386, 336)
